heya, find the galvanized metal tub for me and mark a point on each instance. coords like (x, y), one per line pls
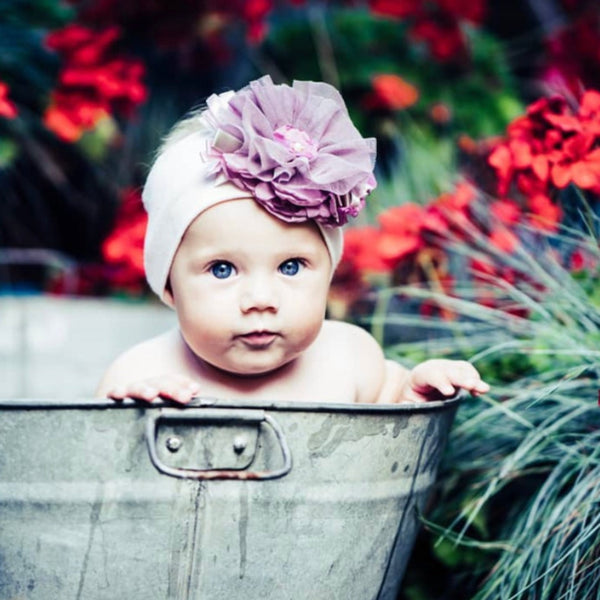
(218, 500)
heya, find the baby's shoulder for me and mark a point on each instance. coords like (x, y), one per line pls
(140, 361)
(353, 352)
(349, 338)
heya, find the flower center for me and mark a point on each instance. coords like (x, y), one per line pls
(296, 141)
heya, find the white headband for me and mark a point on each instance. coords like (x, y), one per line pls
(179, 187)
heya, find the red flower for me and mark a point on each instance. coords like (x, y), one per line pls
(93, 83)
(391, 92)
(450, 211)
(544, 213)
(380, 249)
(467, 10)
(443, 37)
(506, 211)
(440, 113)
(590, 108)
(81, 45)
(114, 81)
(503, 239)
(360, 250)
(572, 60)
(580, 260)
(255, 13)
(395, 8)
(400, 235)
(123, 249)
(551, 146)
(579, 164)
(70, 115)
(8, 110)
(436, 23)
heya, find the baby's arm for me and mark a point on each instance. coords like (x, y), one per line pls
(134, 374)
(387, 382)
(434, 379)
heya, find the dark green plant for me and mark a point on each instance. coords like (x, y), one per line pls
(416, 148)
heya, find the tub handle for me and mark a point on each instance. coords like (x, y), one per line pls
(216, 416)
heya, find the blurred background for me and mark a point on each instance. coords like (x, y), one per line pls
(480, 241)
(88, 89)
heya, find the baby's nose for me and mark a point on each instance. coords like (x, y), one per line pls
(259, 294)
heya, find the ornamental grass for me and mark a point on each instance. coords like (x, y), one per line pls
(517, 510)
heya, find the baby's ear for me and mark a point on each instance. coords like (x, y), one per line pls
(168, 295)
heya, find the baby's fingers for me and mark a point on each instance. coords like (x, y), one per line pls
(437, 382)
(480, 387)
(444, 386)
(118, 393)
(177, 388)
(139, 390)
(466, 376)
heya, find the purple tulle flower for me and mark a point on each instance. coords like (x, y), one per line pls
(294, 149)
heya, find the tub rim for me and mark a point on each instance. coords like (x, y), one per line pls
(211, 402)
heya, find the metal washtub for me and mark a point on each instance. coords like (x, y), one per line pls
(217, 500)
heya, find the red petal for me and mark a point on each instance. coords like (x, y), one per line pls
(433, 221)
(561, 175)
(394, 247)
(360, 249)
(507, 211)
(593, 156)
(402, 219)
(501, 160)
(521, 152)
(583, 176)
(564, 122)
(545, 213)
(540, 167)
(504, 240)
(590, 103)
(578, 145)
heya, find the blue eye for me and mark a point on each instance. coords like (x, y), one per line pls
(290, 267)
(222, 270)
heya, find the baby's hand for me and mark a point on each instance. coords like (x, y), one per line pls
(177, 388)
(437, 379)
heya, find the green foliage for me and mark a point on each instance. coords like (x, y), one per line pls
(8, 151)
(328, 42)
(349, 47)
(35, 13)
(25, 63)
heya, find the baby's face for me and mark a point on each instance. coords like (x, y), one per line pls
(250, 291)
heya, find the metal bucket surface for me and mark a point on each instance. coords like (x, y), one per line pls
(217, 500)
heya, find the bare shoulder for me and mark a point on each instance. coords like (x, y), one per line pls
(140, 361)
(356, 352)
(338, 332)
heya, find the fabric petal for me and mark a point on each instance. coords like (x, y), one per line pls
(294, 148)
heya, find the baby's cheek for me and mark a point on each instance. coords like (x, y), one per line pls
(306, 332)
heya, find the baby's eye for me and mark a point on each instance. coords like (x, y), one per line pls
(290, 267)
(222, 269)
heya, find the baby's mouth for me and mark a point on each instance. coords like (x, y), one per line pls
(258, 339)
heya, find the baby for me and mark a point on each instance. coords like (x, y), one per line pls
(245, 204)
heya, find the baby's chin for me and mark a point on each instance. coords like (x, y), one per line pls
(253, 371)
